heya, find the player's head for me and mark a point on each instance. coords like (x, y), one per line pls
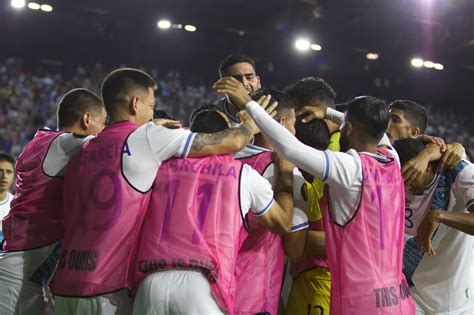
(311, 91)
(129, 94)
(208, 119)
(7, 171)
(285, 109)
(408, 148)
(407, 119)
(365, 122)
(201, 109)
(243, 69)
(81, 111)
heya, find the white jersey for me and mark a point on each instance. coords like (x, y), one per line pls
(4, 209)
(443, 284)
(300, 219)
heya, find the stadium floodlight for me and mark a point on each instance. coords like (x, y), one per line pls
(316, 47)
(18, 4)
(417, 62)
(438, 66)
(428, 64)
(34, 6)
(164, 24)
(46, 8)
(190, 28)
(372, 56)
(302, 44)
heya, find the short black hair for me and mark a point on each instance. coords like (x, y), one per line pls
(314, 133)
(285, 102)
(408, 148)
(208, 121)
(413, 112)
(120, 84)
(158, 113)
(76, 103)
(308, 90)
(233, 59)
(203, 108)
(371, 114)
(7, 158)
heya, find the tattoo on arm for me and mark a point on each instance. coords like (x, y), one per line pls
(204, 139)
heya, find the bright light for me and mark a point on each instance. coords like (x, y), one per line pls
(46, 8)
(316, 47)
(302, 44)
(428, 64)
(34, 6)
(190, 28)
(372, 56)
(438, 66)
(164, 24)
(417, 62)
(18, 4)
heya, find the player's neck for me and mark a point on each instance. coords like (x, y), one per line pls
(3, 195)
(231, 108)
(362, 146)
(262, 142)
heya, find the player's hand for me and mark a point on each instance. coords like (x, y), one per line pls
(426, 231)
(168, 123)
(234, 90)
(415, 167)
(454, 153)
(245, 118)
(312, 112)
(430, 139)
(268, 105)
(281, 164)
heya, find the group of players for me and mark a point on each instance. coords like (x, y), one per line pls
(138, 215)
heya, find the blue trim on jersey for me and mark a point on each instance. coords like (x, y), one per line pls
(326, 171)
(256, 148)
(186, 146)
(264, 209)
(300, 226)
(470, 203)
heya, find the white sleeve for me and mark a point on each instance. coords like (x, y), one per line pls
(256, 194)
(463, 187)
(334, 116)
(300, 219)
(147, 147)
(60, 151)
(385, 141)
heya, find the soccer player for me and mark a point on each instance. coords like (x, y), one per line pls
(7, 173)
(440, 213)
(106, 191)
(195, 223)
(260, 263)
(243, 69)
(34, 226)
(364, 223)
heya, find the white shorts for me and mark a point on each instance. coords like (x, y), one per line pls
(117, 303)
(175, 292)
(468, 309)
(24, 278)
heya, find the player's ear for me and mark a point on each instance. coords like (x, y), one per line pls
(414, 131)
(86, 120)
(133, 105)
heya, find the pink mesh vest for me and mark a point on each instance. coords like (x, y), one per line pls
(194, 221)
(365, 255)
(307, 264)
(103, 216)
(36, 216)
(259, 268)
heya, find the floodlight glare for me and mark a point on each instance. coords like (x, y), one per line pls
(438, 66)
(190, 28)
(302, 45)
(164, 24)
(18, 4)
(372, 56)
(417, 62)
(316, 47)
(34, 6)
(428, 64)
(46, 8)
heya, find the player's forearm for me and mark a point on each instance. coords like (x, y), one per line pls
(284, 197)
(294, 244)
(334, 116)
(315, 244)
(460, 221)
(227, 141)
(305, 157)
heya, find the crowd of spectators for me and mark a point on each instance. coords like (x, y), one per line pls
(28, 101)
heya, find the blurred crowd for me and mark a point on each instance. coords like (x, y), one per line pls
(28, 101)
